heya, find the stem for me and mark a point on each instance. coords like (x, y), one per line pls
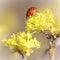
(23, 55)
(52, 39)
(51, 50)
(25, 58)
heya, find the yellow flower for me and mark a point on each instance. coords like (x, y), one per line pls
(10, 43)
(53, 30)
(29, 26)
(21, 42)
(28, 54)
(27, 43)
(36, 43)
(30, 20)
(42, 20)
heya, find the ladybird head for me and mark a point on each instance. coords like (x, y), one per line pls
(31, 11)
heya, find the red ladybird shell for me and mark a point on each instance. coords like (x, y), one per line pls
(31, 11)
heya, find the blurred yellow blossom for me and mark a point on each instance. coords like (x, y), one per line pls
(26, 43)
(21, 42)
(41, 20)
(53, 30)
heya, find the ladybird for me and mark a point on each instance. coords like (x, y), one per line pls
(31, 11)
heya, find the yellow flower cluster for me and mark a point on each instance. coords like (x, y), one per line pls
(26, 42)
(40, 21)
(10, 43)
(22, 42)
